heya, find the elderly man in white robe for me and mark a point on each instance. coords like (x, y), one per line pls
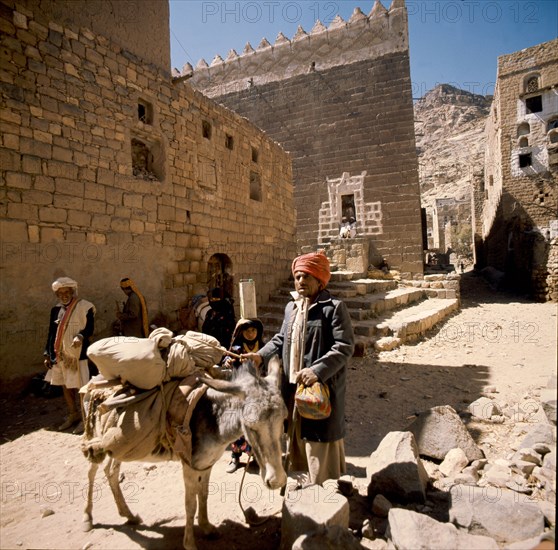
(71, 326)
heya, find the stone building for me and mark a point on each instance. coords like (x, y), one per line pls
(516, 202)
(448, 213)
(339, 100)
(110, 167)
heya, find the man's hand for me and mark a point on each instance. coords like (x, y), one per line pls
(255, 357)
(307, 377)
(76, 342)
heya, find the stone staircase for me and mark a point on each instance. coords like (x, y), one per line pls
(385, 313)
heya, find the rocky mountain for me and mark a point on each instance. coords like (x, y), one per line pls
(449, 128)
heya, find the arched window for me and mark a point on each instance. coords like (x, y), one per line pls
(523, 142)
(523, 129)
(532, 84)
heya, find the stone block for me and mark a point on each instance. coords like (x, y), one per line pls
(307, 510)
(12, 231)
(413, 531)
(440, 429)
(496, 512)
(395, 469)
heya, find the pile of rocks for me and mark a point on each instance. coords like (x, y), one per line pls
(434, 486)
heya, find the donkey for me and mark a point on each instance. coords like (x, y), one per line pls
(247, 405)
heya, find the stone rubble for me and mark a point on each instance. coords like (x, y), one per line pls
(424, 495)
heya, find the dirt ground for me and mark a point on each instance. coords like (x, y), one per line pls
(495, 340)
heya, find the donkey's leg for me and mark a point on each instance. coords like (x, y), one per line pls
(87, 524)
(191, 490)
(112, 471)
(203, 493)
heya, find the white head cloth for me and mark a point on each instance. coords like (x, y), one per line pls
(65, 282)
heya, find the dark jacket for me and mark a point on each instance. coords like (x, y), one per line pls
(329, 345)
(131, 320)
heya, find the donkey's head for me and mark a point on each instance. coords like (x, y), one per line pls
(261, 413)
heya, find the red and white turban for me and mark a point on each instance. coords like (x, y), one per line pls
(315, 264)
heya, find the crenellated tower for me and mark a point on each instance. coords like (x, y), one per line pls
(338, 98)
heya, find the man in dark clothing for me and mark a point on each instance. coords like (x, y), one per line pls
(315, 343)
(132, 320)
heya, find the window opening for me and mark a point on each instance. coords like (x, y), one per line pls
(255, 154)
(255, 186)
(144, 165)
(523, 142)
(525, 160)
(229, 142)
(145, 112)
(206, 129)
(534, 104)
(348, 207)
(523, 129)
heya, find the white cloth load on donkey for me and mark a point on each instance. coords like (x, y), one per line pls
(139, 361)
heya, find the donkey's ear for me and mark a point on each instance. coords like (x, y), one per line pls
(224, 386)
(274, 371)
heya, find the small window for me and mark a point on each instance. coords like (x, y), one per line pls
(532, 84)
(523, 142)
(552, 124)
(525, 160)
(145, 112)
(534, 104)
(553, 136)
(523, 129)
(255, 154)
(144, 165)
(206, 129)
(229, 142)
(255, 186)
(491, 180)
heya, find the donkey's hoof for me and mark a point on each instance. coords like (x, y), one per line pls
(86, 526)
(209, 531)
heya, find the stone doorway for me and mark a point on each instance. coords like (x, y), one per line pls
(219, 274)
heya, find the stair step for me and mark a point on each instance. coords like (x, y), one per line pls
(410, 323)
(384, 315)
(374, 304)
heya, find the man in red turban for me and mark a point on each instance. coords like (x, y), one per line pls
(315, 264)
(315, 343)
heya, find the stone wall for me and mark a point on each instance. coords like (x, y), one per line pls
(111, 169)
(141, 27)
(552, 270)
(521, 195)
(339, 99)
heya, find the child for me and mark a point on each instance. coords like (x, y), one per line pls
(247, 338)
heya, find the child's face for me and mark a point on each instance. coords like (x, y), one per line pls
(250, 333)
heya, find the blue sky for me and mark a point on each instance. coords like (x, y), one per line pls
(451, 41)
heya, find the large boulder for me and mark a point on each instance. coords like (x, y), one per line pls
(395, 469)
(410, 530)
(504, 515)
(307, 510)
(439, 430)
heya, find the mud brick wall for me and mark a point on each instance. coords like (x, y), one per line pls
(110, 169)
(339, 100)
